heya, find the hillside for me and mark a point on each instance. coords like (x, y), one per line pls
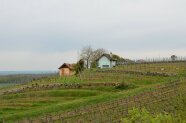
(102, 94)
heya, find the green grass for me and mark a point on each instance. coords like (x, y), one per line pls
(30, 104)
(34, 103)
(39, 103)
(129, 78)
(177, 67)
(171, 111)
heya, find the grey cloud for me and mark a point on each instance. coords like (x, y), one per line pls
(64, 25)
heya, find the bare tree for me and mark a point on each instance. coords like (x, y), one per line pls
(98, 53)
(90, 56)
(86, 55)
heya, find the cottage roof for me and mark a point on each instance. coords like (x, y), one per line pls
(66, 65)
(108, 56)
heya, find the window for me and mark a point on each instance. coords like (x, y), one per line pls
(105, 66)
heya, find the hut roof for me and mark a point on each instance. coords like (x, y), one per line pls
(66, 65)
(108, 56)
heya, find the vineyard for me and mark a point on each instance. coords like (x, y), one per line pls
(98, 95)
(161, 99)
(137, 72)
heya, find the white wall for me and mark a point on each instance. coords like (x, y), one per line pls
(104, 61)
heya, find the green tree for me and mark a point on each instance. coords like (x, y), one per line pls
(174, 57)
(79, 66)
(116, 57)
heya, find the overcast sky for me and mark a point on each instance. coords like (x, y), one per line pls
(42, 34)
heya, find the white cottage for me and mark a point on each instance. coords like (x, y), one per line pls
(106, 61)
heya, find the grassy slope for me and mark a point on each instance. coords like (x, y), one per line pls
(34, 103)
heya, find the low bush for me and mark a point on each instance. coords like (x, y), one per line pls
(143, 116)
(125, 86)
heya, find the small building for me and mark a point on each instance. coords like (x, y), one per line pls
(106, 61)
(66, 70)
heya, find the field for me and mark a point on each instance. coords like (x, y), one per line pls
(105, 95)
(7, 80)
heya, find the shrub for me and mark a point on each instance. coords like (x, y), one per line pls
(125, 86)
(143, 116)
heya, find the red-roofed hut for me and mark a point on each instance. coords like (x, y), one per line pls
(66, 70)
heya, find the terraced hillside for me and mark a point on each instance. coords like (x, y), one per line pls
(106, 96)
(162, 99)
